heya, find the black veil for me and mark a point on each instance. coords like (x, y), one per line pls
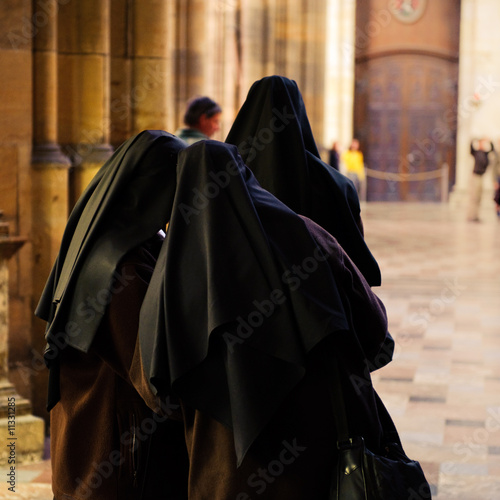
(126, 203)
(241, 293)
(275, 140)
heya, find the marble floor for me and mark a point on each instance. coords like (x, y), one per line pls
(441, 289)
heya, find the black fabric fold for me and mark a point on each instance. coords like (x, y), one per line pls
(126, 203)
(275, 140)
(240, 295)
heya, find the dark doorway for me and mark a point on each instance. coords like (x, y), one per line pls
(406, 96)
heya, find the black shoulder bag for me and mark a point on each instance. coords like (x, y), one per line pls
(364, 475)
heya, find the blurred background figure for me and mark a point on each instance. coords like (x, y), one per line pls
(334, 156)
(480, 149)
(202, 120)
(355, 168)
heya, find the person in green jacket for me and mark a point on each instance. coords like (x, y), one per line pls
(202, 120)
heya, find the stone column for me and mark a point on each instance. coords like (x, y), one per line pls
(295, 19)
(84, 87)
(121, 44)
(287, 37)
(478, 93)
(223, 65)
(190, 53)
(49, 176)
(466, 109)
(313, 65)
(23, 433)
(339, 72)
(151, 76)
(256, 20)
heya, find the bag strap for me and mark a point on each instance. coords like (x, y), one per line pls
(389, 432)
(337, 400)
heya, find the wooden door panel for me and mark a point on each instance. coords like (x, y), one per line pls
(401, 124)
(406, 102)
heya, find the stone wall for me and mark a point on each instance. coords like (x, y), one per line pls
(81, 76)
(17, 31)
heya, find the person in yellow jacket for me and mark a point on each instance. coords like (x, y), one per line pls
(355, 167)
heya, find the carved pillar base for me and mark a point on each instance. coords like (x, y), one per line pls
(49, 174)
(22, 433)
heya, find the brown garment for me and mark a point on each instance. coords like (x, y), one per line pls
(294, 457)
(106, 443)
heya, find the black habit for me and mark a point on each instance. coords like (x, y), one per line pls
(275, 140)
(247, 301)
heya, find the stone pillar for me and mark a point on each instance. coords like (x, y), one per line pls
(151, 76)
(223, 64)
(313, 65)
(190, 53)
(467, 71)
(479, 94)
(84, 87)
(295, 19)
(49, 176)
(121, 44)
(339, 72)
(286, 37)
(23, 433)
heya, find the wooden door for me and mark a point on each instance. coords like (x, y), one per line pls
(406, 97)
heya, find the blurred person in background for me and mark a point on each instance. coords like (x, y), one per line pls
(482, 151)
(202, 120)
(354, 164)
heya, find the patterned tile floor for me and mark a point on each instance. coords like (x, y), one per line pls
(441, 288)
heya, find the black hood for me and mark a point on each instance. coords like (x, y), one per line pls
(126, 203)
(233, 317)
(275, 140)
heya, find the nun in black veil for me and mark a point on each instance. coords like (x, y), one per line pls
(275, 140)
(106, 441)
(247, 302)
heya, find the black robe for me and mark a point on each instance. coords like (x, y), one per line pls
(242, 296)
(108, 431)
(275, 140)
(125, 204)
